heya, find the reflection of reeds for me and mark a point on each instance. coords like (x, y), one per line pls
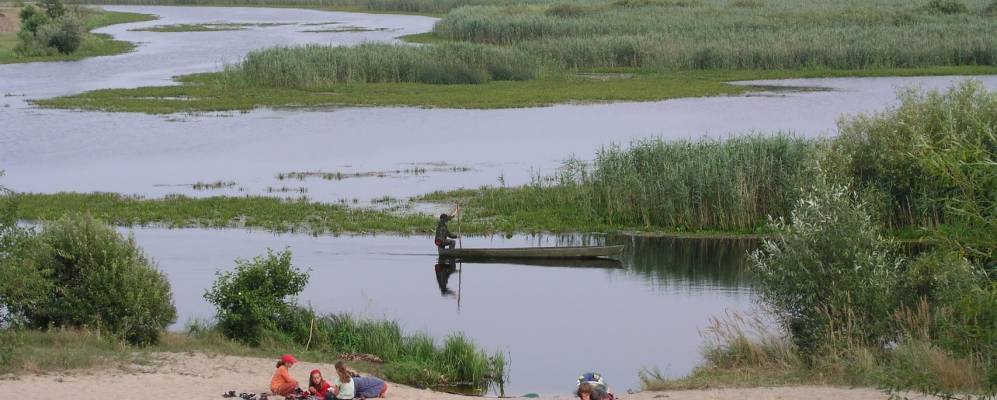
(688, 261)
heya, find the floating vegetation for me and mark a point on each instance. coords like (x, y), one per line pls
(285, 189)
(320, 23)
(347, 29)
(209, 27)
(415, 170)
(213, 185)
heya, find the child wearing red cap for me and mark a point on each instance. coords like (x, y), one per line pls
(282, 383)
(317, 386)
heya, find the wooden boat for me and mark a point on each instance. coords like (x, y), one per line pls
(534, 252)
(596, 263)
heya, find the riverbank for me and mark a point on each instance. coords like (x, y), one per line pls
(211, 92)
(94, 45)
(196, 375)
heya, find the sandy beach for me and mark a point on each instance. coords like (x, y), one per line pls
(177, 376)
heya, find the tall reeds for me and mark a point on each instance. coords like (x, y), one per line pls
(707, 184)
(720, 35)
(321, 66)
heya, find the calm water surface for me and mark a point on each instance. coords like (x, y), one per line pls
(553, 321)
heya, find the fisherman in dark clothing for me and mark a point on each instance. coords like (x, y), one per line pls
(444, 238)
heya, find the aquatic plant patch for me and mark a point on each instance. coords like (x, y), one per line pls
(210, 27)
(217, 91)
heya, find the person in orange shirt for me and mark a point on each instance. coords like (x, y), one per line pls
(282, 383)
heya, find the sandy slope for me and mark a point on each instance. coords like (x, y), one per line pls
(197, 376)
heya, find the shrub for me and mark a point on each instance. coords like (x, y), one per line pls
(64, 34)
(21, 284)
(946, 7)
(931, 158)
(32, 19)
(54, 8)
(94, 277)
(826, 271)
(252, 298)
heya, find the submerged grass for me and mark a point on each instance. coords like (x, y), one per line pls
(216, 91)
(94, 45)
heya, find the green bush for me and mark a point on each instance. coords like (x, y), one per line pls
(65, 33)
(931, 158)
(826, 272)
(42, 34)
(54, 8)
(22, 285)
(32, 19)
(251, 299)
(89, 275)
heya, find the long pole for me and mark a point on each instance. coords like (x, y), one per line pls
(460, 266)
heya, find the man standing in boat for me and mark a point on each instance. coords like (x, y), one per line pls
(444, 238)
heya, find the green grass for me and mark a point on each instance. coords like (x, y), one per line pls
(212, 92)
(423, 38)
(94, 45)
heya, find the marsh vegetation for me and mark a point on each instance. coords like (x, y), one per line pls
(524, 53)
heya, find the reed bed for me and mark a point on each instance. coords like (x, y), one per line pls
(316, 66)
(723, 35)
(707, 184)
(719, 185)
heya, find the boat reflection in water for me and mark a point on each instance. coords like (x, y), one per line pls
(447, 266)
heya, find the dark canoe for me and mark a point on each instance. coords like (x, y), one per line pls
(604, 263)
(535, 252)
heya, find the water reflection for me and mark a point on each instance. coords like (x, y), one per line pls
(679, 262)
(445, 266)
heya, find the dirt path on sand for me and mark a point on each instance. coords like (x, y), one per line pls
(176, 376)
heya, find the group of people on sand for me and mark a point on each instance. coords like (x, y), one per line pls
(346, 384)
